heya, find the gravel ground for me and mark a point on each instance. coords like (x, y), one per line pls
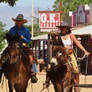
(39, 85)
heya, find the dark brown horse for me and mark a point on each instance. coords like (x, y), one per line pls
(16, 66)
(60, 72)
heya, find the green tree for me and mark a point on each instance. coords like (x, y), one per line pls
(69, 5)
(10, 2)
(36, 29)
(2, 36)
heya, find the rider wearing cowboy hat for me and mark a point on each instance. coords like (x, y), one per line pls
(20, 29)
(68, 38)
(25, 36)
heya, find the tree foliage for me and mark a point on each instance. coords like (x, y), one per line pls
(2, 36)
(69, 5)
(10, 2)
(36, 29)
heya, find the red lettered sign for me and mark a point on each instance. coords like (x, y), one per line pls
(49, 20)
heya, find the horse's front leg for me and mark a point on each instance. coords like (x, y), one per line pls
(21, 87)
(58, 87)
(47, 81)
(10, 87)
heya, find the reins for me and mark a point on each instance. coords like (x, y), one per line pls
(78, 58)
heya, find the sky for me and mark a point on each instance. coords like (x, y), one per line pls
(40, 3)
(37, 3)
(22, 6)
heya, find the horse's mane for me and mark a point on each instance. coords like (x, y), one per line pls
(25, 57)
(57, 74)
(56, 42)
(12, 38)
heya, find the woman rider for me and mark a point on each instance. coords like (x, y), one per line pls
(67, 39)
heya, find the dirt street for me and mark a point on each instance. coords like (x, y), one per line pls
(38, 86)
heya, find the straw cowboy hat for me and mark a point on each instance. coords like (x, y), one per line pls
(20, 17)
(64, 24)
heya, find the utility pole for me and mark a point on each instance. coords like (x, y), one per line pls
(60, 9)
(32, 18)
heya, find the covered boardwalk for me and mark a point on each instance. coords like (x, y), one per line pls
(84, 34)
(86, 30)
(41, 47)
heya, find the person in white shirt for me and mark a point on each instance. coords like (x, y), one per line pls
(68, 38)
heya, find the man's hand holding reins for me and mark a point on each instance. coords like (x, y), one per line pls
(22, 37)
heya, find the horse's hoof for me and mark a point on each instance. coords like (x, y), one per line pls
(45, 85)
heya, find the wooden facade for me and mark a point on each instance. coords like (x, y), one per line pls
(85, 64)
(80, 16)
(43, 50)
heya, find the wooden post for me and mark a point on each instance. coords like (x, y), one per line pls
(89, 59)
(32, 18)
(60, 9)
(72, 20)
(39, 49)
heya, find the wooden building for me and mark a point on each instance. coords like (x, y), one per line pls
(84, 34)
(79, 17)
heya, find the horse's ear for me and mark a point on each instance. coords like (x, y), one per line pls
(59, 48)
(8, 37)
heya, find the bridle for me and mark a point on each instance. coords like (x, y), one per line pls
(13, 47)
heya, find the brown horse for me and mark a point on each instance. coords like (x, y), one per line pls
(16, 66)
(60, 72)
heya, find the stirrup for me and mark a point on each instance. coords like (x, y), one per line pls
(75, 81)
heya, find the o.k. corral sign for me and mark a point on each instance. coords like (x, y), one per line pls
(48, 20)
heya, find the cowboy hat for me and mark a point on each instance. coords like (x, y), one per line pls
(64, 24)
(20, 17)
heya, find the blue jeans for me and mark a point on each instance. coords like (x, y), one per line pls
(35, 68)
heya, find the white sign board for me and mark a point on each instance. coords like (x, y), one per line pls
(48, 21)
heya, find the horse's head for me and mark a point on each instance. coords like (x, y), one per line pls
(57, 41)
(60, 56)
(12, 38)
(13, 46)
(14, 52)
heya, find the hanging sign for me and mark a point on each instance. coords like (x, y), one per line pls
(48, 20)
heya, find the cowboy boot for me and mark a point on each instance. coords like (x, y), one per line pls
(33, 77)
